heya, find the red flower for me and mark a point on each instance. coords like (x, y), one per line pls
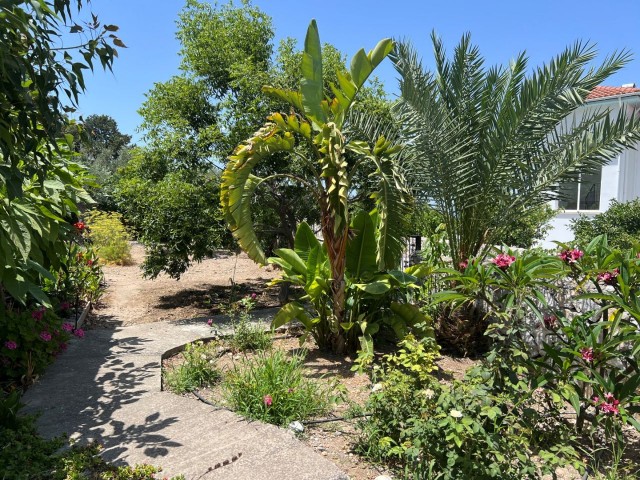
(503, 260)
(89, 262)
(267, 400)
(609, 405)
(80, 226)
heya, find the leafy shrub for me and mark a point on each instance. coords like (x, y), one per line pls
(197, 370)
(246, 336)
(527, 228)
(109, 237)
(30, 340)
(461, 430)
(621, 224)
(271, 387)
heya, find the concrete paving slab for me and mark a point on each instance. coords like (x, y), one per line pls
(107, 387)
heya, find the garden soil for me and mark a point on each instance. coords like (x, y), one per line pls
(205, 289)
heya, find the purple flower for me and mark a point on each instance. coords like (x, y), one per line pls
(253, 296)
(38, 314)
(267, 400)
(78, 332)
(46, 336)
(67, 327)
(503, 260)
(210, 322)
(10, 345)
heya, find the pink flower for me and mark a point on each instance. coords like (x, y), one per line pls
(503, 260)
(10, 345)
(463, 264)
(67, 327)
(609, 278)
(550, 322)
(38, 314)
(267, 400)
(46, 336)
(587, 354)
(63, 347)
(253, 296)
(80, 226)
(571, 256)
(65, 306)
(78, 332)
(609, 405)
(210, 322)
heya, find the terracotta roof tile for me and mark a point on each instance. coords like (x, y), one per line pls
(602, 91)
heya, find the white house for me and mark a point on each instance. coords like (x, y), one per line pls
(619, 179)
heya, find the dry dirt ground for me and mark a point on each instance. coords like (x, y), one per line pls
(202, 291)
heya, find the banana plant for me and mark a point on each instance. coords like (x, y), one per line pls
(313, 133)
(373, 298)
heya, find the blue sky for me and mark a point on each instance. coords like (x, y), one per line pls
(500, 28)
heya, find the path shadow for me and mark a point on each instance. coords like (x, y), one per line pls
(84, 392)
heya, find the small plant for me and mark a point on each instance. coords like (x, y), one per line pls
(196, 371)
(109, 237)
(247, 336)
(271, 387)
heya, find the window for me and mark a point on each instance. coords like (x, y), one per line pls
(583, 193)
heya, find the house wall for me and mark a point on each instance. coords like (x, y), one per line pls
(620, 181)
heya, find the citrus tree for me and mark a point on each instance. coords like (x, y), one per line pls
(314, 133)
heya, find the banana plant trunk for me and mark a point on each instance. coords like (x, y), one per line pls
(336, 243)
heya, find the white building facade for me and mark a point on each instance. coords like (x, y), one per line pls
(590, 194)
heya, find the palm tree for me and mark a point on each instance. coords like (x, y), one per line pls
(485, 145)
(328, 161)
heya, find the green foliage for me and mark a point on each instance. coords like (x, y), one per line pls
(589, 361)
(109, 237)
(317, 129)
(24, 455)
(373, 299)
(620, 223)
(457, 430)
(271, 387)
(31, 339)
(39, 185)
(488, 143)
(198, 368)
(174, 214)
(246, 336)
(526, 229)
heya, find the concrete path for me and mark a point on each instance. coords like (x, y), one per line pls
(106, 387)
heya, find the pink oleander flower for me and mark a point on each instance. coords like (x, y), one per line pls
(503, 260)
(587, 354)
(463, 264)
(10, 345)
(63, 347)
(67, 327)
(267, 400)
(46, 336)
(609, 278)
(38, 314)
(78, 332)
(571, 256)
(65, 306)
(550, 322)
(253, 296)
(210, 322)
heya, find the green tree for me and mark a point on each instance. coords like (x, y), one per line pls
(194, 120)
(620, 223)
(39, 185)
(486, 145)
(326, 172)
